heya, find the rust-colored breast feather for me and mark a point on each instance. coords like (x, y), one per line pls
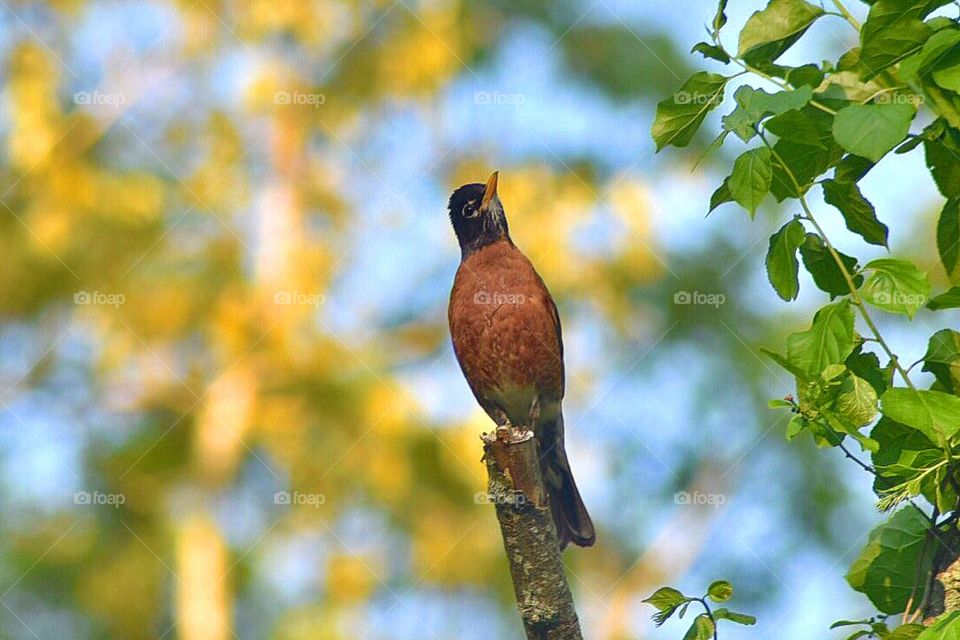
(505, 328)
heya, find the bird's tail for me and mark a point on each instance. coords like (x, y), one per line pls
(569, 513)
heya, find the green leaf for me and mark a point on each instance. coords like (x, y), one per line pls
(733, 616)
(894, 29)
(858, 213)
(857, 402)
(721, 195)
(753, 105)
(906, 632)
(828, 341)
(932, 51)
(851, 168)
(896, 286)
(848, 623)
(701, 629)
(947, 300)
(720, 18)
(809, 75)
(720, 591)
(666, 600)
(866, 365)
(799, 127)
(782, 265)
(808, 150)
(711, 51)
(942, 359)
(750, 180)
(679, 116)
(871, 130)
(823, 268)
(948, 237)
(944, 165)
(933, 413)
(904, 454)
(947, 73)
(887, 568)
(786, 364)
(758, 103)
(946, 627)
(770, 32)
(796, 425)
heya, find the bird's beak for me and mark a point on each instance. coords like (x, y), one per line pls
(491, 191)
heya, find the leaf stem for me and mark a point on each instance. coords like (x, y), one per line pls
(783, 84)
(847, 276)
(846, 14)
(706, 607)
(859, 462)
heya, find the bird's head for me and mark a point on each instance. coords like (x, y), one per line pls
(477, 215)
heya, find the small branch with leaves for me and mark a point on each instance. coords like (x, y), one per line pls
(845, 117)
(668, 601)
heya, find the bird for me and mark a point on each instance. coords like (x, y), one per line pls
(506, 336)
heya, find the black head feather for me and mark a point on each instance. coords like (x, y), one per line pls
(476, 227)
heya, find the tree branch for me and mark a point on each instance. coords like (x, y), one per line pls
(529, 536)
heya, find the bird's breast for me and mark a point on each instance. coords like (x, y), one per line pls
(504, 330)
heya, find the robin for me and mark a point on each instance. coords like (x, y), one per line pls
(506, 336)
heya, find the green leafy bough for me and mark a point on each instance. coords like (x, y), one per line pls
(844, 117)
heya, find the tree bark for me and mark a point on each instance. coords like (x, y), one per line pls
(944, 587)
(529, 537)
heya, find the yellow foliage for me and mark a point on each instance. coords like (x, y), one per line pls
(37, 125)
(203, 601)
(225, 420)
(123, 588)
(352, 579)
(444, 538)
(422, 57)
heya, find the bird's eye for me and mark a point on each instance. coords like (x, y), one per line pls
(469, 210)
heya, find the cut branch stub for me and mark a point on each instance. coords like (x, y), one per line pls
(516, 489)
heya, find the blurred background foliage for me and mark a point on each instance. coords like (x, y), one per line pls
(224, 258)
